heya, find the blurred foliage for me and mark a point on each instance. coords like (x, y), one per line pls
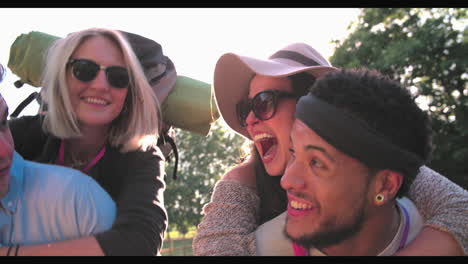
(427, 50)
(202, 162)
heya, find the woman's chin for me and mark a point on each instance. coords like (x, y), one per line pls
(274, 169)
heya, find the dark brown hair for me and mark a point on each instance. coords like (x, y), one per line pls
(273, 199)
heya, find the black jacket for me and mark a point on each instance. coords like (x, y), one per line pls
(135, 180)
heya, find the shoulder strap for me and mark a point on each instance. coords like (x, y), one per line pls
(166, 138)
(24, 103)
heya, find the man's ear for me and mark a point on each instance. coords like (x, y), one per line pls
(386, 185)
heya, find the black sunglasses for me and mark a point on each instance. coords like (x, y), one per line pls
(263, 105)
(86, 70)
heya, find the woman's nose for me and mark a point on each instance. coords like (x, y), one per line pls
(100, 82)
(251, 119)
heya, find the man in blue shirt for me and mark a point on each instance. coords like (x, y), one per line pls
(40, 203)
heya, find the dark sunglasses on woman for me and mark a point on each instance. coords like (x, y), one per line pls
(263, 105)
(86, 70)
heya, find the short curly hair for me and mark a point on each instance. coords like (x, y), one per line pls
(384, 105)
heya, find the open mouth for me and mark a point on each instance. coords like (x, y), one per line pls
(94, 100)
(267, 143)
(297, 207)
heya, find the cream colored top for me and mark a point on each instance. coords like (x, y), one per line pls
(271, 241)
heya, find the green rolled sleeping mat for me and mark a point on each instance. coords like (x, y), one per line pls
(190, 104)
(27, 54)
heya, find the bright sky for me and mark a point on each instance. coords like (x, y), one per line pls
(194, 38)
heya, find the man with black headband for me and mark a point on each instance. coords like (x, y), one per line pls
(357, 143)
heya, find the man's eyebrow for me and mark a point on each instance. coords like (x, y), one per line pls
(313, 147)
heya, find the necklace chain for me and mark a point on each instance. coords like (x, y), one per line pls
(76, 162)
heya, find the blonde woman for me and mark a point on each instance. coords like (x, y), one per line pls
(101, 116)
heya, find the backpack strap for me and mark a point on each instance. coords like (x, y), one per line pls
(163, 139)
(24, 103)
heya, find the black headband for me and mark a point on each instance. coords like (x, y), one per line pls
(353, 136)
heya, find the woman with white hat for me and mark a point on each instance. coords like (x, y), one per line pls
(257, 99)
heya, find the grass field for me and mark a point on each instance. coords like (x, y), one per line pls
(181, 245)
(175, 234)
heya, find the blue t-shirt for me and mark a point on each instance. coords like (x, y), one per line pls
(51, 203)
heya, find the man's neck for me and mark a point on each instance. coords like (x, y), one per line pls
(376, 234)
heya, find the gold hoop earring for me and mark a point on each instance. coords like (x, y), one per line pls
(379, 198)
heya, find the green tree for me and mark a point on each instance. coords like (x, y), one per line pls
(427, 50)
(202, 161)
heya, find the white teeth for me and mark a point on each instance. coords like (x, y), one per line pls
(262, 136)
(300, 206)
(95, 100)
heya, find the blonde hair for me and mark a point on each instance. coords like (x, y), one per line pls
(136, 127)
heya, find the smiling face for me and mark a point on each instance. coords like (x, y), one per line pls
(97, 103)
(271, 137)
(327, 191)
(6, 149)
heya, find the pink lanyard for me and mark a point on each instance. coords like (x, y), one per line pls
(301, 251)
(61, 157)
